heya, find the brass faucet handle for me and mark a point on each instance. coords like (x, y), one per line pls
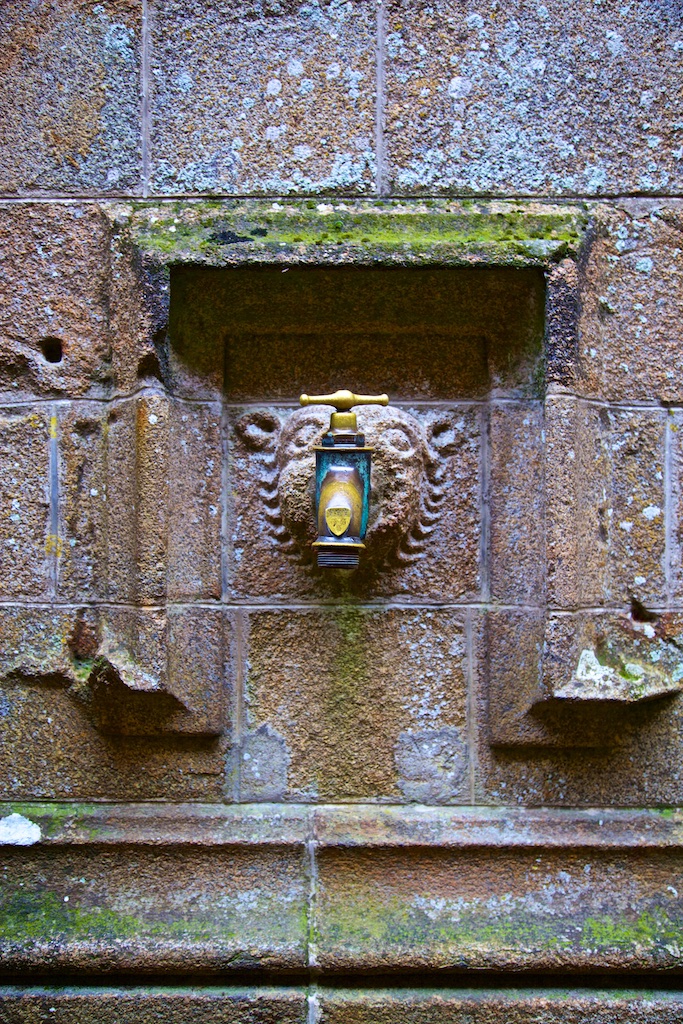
(344, 400)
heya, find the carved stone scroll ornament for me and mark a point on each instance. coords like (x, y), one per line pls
(407, 478)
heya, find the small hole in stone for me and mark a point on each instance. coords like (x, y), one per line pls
(639, 612)
(149, 367)
(52, 349)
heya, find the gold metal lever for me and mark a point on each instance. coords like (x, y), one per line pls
(343, 402)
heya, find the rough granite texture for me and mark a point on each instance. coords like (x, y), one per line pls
(70, 97)
(377, 735)
(53, 270)
(521, 98)
(147, 1006)
(262, 98)
(242, 788)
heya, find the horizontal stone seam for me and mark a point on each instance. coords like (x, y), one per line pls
(384, 995)
(656, 404)
(388, 604)
(340, 196)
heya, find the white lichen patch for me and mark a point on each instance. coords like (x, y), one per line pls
(625, 681)
(16, 830)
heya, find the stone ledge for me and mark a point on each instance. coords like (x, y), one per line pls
(351, 825)
(170, 890)
(223, 233)
(295, 1005)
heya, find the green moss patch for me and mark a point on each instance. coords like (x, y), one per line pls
(403, 233)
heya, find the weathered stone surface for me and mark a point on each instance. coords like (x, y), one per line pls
(524, 1006)
(70, 98)
(631, 304)
(434, 232)
(521, 99)
(637, 530)
(579, 510)
(54, 332)
(164, 499)
(562, 310)
(122, 500)
(415, 333)
(82, 429)
(52, 749)
(201, 669)
(611, 662)
(80, 688)
(194, 523)
(138, 498)
(535, 909)
(510, 664)
(379, 826)
(292, 110)
(414, 887)
(355, 703)
(621, 753)
(516, 501)
(341, 1006)
(28, 545)
(675, 525)
(578, 680)
(138, 308)
(158, 673)
(145, 1006)
(606, 504)
(423, 532)
(128, 908)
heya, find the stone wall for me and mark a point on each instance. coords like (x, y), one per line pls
(443, 786)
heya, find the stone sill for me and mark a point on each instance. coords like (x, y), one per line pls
(350, 825)
(365, 233)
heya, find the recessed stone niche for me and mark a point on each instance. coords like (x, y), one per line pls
(421, 333)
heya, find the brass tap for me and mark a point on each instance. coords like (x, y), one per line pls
(344, 401)
(342, 481)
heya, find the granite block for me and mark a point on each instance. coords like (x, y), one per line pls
(539, 745)
(291, 110)
(145, 909)
(579, 512)
(201, 670)
(28, 542)
(122, 501)
(516, 503)
(494, 99)
(534, 909)
(70, 98)
(82, 430)
(356, 704)
(629, 343)
(488, 1006)
(195, 465)
(141, 1005)
(637, 530)
(54, 330)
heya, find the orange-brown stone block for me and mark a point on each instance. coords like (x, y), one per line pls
(356, 704)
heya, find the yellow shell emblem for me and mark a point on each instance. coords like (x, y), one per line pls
(338, 519)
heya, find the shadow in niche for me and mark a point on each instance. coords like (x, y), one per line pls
(601, 726)
(443, 333)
